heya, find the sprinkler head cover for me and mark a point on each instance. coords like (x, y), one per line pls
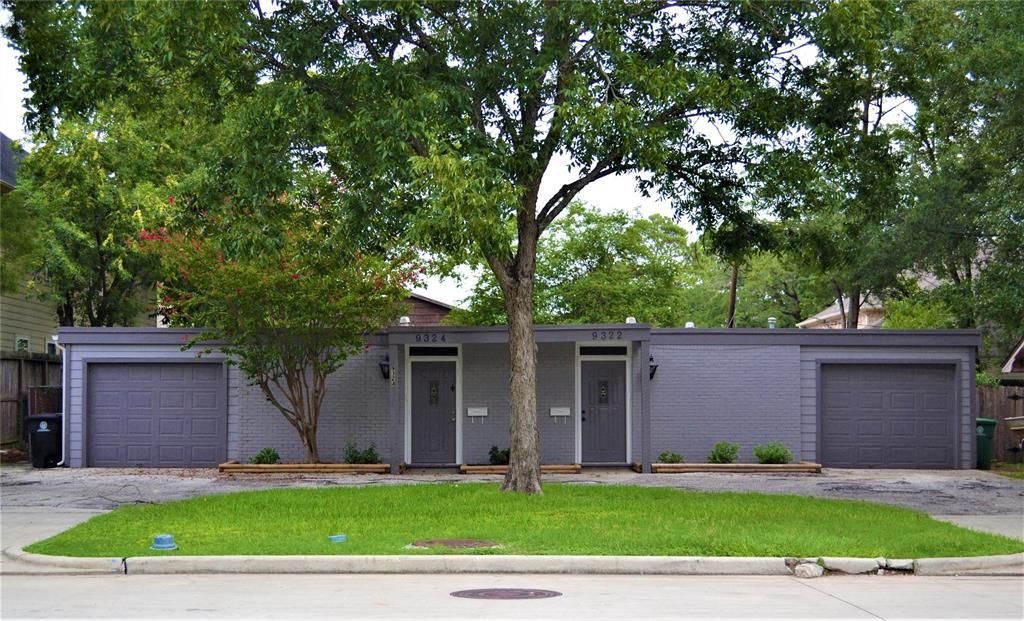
(163, 542)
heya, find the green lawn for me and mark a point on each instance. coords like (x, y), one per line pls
(568, 519)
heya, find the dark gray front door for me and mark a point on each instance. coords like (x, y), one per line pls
(156, 415)
(888, 416)
(433, 412)
(603, 411)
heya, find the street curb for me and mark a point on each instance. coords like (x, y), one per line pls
(448, 564)
(973, 564)
(490, 564)
(78, 563)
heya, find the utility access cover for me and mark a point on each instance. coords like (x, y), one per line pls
(506, 594)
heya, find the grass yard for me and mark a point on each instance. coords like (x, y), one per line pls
(568, 519)
(1013, 471)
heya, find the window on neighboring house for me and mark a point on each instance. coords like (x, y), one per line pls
(21, 343)
(51, 349)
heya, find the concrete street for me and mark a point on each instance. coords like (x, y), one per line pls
(589, 597)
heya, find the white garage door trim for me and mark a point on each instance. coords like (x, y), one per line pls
(86, 362)
(958, 412)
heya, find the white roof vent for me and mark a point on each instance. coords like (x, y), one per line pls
(690, 324)
(631, 319)
(403, 320)
(772, 322)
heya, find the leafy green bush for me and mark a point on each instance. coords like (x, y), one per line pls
(772, 453)
(265, 456)
(723, 453)
(355, 456)
(499, 457)
(668, 457)
(982, 379)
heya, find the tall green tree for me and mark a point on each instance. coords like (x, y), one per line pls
(445, 117)
(595, 267)
(85, 190)
(289, 310)
(964, 224)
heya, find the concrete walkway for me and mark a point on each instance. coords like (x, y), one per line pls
(584, 597)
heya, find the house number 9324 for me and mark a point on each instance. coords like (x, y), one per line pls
(431, 337)
(606, 335)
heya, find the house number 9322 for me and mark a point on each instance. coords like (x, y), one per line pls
(431, 337)
(606, 335)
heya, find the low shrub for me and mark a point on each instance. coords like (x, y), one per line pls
(668, 457)
(723, 453)
(499, 457)
(772, 453)
(265, 456)
(355, 456)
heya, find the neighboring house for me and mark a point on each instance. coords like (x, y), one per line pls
(437, 396)
(425, 311)
(871, 316)
(1012, 373)
(26, 323)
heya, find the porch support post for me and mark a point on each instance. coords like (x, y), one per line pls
(396, 385)
(645, 406)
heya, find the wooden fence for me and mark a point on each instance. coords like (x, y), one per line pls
(1001, 403)
(20, 373)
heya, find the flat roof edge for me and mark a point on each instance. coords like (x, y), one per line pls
(816, 338)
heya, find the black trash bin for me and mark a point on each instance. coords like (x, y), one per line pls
(44, 440)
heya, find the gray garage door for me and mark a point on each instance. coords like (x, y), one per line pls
(888, 416)
(156, 415)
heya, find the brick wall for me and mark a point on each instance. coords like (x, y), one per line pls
(706, 394)
(355, 409)
(486, 384)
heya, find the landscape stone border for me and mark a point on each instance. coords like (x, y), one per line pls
(1012, 564)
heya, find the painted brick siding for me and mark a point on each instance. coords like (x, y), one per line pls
(556, 388)
(485, 370)
(485, 384)
(355, 409)
(706, 394)
(809, 357)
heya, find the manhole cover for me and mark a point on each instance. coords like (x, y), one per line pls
(506, 594)
(454, 543)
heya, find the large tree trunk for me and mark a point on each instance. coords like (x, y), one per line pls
(730, 322)
(853, 311)
(524, 459)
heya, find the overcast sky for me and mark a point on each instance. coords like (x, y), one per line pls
(606, 194)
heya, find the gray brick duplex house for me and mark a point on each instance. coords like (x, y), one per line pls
(606, 394)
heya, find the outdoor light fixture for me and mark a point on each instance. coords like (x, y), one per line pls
(385, 367)
(654, 367)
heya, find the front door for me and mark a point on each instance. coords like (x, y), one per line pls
(603, 412)
(433, 412)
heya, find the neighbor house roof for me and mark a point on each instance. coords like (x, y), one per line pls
(834, 311)
(10, 158)
(1015, 363)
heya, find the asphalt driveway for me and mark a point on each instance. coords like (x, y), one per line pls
(972, 498)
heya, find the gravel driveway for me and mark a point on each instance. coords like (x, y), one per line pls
(945, 492)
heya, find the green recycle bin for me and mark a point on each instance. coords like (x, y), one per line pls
(985, 432)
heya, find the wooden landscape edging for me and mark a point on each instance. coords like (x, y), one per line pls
(799, 467)
(502, 469)
(237, 468)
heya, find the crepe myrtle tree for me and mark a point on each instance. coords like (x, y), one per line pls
(446, 116)
(288, 314)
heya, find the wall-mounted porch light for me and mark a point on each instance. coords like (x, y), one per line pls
(654, 367)
(385, 367)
